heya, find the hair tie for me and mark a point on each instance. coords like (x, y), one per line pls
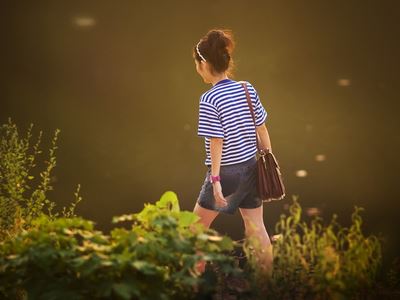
(198, 51)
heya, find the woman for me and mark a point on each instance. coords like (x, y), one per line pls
(230, 136)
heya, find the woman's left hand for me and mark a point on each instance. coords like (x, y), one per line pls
(219, 197)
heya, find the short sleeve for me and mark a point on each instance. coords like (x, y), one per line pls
(260, 112)
(209, 123)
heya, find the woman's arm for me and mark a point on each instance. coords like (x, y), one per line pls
(263, 137)
(216, 153)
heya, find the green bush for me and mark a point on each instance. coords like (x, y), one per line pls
(66, 258)
(313, 261)
(48, 256)
(21, 200)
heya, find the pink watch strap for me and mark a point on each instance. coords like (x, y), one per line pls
(214, 178)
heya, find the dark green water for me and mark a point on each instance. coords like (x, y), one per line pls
(120, 82)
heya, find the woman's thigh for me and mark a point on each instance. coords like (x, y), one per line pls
(253, 218)
(207, 216)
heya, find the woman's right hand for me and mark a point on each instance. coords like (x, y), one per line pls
(219, 197)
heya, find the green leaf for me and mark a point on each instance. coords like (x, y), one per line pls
(169, 200)
(187, 218)
(144, 267)
(123, 218)
(123, 290)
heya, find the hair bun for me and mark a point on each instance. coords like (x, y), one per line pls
(217, 48)
(217, 39)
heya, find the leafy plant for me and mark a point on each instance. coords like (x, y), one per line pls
(44, 255)
(321, 262)
(20, 200)
(65, 258)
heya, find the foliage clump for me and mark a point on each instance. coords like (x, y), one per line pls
(22, 196)
(51, 256)
(156, 258)
(317, 261)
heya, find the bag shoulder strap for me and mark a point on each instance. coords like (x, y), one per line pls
(244, 84)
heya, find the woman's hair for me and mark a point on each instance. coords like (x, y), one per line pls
(217, 47)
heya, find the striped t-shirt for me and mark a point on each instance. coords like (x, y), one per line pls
(224, 113)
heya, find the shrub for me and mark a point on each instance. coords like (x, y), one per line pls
(48, 256)
(65, 258)
(20, 200)
(320, 262)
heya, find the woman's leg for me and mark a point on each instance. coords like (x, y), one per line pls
(254, 226)
(207, 216)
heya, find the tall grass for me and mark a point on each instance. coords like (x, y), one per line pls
(22, 196)
(320, 261)
(46, 255)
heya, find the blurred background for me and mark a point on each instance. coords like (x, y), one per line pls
(118, 79)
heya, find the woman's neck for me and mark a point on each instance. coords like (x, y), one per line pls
(218, 79)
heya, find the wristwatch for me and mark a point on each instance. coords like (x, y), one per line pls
(214, 179)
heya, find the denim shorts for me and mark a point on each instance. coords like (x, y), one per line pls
(238, 182)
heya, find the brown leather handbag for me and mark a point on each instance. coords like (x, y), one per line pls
(269, 184)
